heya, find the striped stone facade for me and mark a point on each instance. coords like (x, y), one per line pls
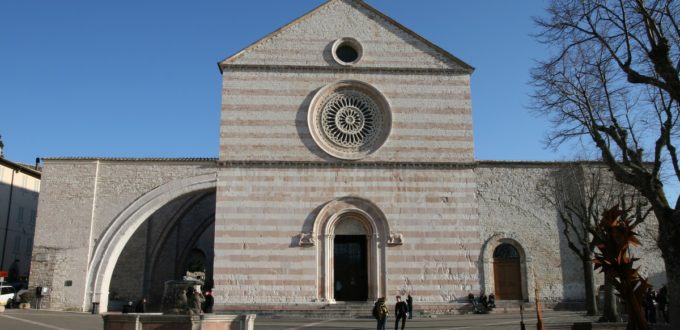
(262, 209)
(420, 178)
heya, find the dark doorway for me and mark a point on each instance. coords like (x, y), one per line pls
(350, 268)
(506, 273)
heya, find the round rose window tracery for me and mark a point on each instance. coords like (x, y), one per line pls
(349, 119)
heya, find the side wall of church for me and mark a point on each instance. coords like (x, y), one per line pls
(262, 209)
(78, 201)
(511, 207)
(61, 242)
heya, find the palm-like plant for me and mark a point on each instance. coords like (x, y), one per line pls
(613, 236)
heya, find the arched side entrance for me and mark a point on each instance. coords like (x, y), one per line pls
(507, 275)
(351, 232)
(499, 263)
(113, 240)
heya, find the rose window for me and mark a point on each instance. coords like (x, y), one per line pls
(349, 119)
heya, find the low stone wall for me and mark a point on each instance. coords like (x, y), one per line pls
(115, 321)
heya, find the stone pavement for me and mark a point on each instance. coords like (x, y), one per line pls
(41, 320)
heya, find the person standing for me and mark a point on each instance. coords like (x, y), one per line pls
(400, 310)
(380, 313)
(409, 302)
(141, 306)
(650, 305)
(662, 300)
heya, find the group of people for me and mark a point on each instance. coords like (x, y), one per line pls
(484, 304)
(402, 310)
(656, 302)
(202, 304)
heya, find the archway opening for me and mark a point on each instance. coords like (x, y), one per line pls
(507, 272)
(177, 238)
(350, 260)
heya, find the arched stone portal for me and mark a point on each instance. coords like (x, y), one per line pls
(114, 239)
(506, 242)
(343, 224)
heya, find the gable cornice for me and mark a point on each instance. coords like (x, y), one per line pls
(334, 69)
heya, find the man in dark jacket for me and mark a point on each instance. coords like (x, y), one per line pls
(401, 311)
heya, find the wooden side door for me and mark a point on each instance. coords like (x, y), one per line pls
(507, 279)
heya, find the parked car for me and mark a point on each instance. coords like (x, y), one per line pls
(7, 296)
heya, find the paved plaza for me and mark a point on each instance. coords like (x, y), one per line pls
(41, 320)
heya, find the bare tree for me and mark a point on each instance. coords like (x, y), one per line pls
(580, 192)
(614, 83)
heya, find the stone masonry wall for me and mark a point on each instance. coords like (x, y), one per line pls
(68, 206)
(308, 41)
(261, 210)
(510, 205)
(268, 87)
(263, 120)
(63, 223)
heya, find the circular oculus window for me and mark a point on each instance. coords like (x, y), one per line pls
(347, 51)
(349, 119)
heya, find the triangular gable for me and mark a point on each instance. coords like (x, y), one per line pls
(307, 41)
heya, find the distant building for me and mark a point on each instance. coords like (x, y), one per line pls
(19, 188)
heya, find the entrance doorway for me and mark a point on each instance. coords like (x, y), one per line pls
(506, 273)
(350, 268)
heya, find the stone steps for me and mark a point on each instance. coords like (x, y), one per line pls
(360, 310)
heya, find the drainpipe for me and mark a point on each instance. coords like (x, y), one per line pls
(9, 212)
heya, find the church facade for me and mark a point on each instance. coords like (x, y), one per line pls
(345, 173)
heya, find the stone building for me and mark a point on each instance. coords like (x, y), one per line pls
(19, 189)
(345, 173)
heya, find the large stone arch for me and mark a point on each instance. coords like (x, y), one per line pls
(121, 229)
(377, 230)
(169, 228)
(526, 267)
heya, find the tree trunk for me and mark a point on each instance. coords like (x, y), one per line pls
(669, 244)
(611, 313)
(636, 315)
(591, 293)
(673, 277)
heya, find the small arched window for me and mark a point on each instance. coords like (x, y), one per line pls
(506, 251)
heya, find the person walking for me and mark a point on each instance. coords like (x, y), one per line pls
(409, 302)
(401, 311)
(380, 313)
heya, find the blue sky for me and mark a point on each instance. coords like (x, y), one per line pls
(140, 79)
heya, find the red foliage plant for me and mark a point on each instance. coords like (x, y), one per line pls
(613, 236)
